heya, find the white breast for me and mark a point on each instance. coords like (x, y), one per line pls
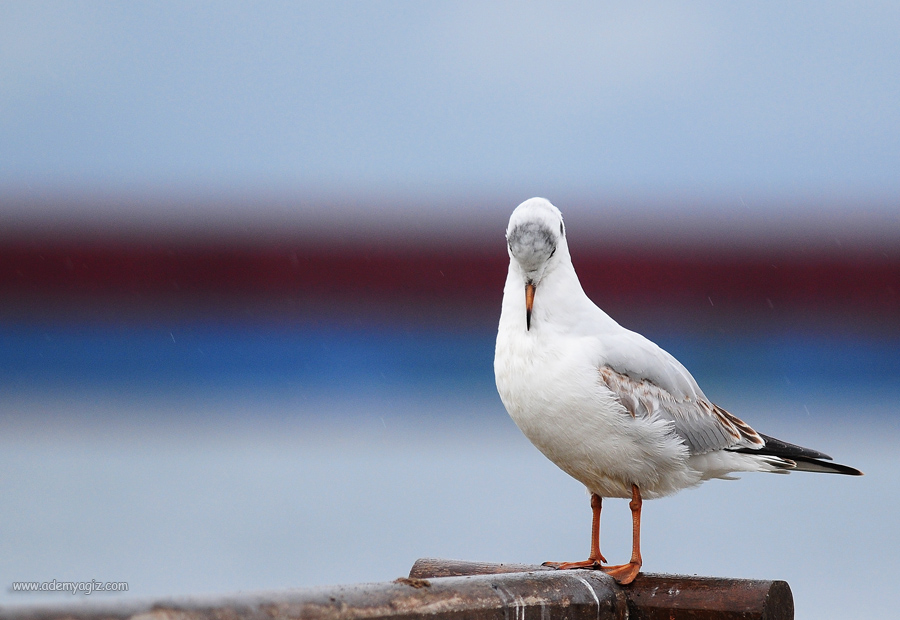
(550, 384)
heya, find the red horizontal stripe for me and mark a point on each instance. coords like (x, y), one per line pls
(468, 278)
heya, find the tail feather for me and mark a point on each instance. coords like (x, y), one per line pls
(805, 459)
(804, 464)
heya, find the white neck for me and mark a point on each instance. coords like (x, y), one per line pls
(571, 307)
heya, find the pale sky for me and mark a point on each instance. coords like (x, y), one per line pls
(746, 100)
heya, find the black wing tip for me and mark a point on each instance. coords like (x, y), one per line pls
(814, 460)
(777, 447)
(828, 468)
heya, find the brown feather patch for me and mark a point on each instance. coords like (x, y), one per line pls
(703, 425)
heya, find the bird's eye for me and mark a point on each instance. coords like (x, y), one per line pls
(562, 229)
(553, 252)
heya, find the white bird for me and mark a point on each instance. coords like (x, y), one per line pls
(605, 404)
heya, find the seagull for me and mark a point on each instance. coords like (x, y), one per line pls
(605, 404)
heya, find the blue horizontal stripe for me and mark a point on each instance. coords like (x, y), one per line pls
(324, 359)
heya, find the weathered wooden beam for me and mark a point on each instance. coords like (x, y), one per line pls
(657, 597)
(572, 595)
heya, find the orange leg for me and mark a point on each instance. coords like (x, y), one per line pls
(595, 557)
(625, 573)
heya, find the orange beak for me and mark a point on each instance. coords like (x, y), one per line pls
(529, 302)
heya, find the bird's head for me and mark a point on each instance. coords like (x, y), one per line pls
(534, 234)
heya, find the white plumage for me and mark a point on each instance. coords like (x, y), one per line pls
(608, 406)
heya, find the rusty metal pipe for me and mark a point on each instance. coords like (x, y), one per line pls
(453, 590)
(659, 597)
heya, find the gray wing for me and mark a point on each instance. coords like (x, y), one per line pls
(631, 354)
(702, 425)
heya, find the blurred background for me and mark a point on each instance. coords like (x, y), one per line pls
(252, 257)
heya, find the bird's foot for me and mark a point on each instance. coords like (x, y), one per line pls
(571, 565)
(623, 573)
(588, 563)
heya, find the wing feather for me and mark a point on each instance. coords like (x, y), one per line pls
(702, 425)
